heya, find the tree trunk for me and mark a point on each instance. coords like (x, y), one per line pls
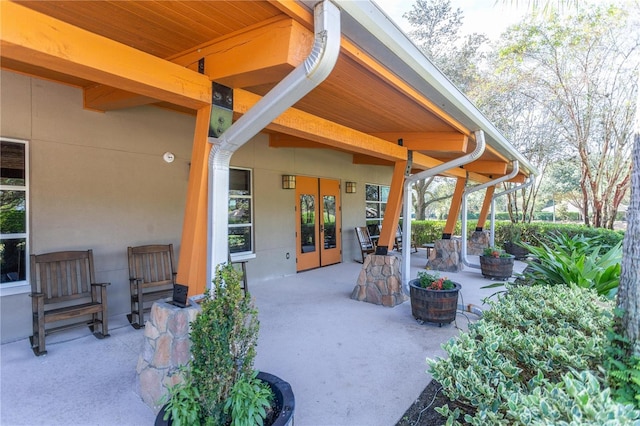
(629, 290)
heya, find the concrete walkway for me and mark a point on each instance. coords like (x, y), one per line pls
(348, 362)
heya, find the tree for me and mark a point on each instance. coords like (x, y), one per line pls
(629, 290)
(579, 70)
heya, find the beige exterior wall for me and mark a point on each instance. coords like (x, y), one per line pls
(98, 180)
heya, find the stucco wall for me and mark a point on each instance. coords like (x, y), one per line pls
(97, 180)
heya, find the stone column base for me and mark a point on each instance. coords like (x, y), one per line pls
(445, 256)
(478, 242)
(379, 281)
(166, 346)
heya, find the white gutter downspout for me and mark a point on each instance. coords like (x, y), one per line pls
(304, 78)
(529, 181)
(406, 196)
(465, 193)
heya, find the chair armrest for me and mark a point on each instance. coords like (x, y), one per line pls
(36, 294)
(100, 284)
(132, 280)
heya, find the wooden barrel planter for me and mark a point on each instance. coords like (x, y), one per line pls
(514, 249)
(499, 268)
(437, 306)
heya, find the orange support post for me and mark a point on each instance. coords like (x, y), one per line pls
(454, 210)
(192, 265)
(485, 208)
(394, 206)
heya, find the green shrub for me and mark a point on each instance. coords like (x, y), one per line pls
(576, 261)
(623, 368)
(516, 365)
(223, 339)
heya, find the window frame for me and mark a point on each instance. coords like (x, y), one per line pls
(382, 205)
(22, 286)
(251, 252)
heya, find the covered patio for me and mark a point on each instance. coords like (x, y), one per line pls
(349, 362)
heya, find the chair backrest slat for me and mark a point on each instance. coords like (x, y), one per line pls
(62, 275)
(152, 263)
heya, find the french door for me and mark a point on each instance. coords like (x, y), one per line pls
(318, 225)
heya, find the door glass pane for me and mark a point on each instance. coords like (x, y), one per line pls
(329, 221)
(307, 223)
(239, 182)
(13, 260)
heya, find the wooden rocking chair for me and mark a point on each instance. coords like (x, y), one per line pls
(367, 245)
(63, 287)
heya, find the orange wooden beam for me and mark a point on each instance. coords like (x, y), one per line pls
(486, 204)
(394, 206)
(429, 141)
(303, 125)
(454, 210)
(495, 168)
(34, 38)
(192, 264)
(280, 140)
(256, 55)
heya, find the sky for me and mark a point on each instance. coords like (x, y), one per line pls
(488, 17)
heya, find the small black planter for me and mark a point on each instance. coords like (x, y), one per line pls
(437, 306)
(285, 402)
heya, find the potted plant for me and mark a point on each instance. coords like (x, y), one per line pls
(219, 385)
(433, 298)
(496, 264)
(513, 241)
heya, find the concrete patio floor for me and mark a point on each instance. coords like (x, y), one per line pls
(348, 362)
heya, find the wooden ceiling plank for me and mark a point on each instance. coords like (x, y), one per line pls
(32, 37)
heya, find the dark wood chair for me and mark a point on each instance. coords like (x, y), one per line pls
(152, 274)
(398, 241)
(63, 288)
(367, 245)
(241, 267)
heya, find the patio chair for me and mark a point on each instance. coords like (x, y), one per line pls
(367, 245)
(152, 275)
(398, 241)
(63, 288)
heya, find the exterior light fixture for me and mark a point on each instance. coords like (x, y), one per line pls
(350, 187)
(288, 182)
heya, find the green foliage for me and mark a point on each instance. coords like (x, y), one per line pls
(183, 402)
(536, 233)
(623, 369)
(495, 252)
(576, 261)
(250, 398)
(434, 281)
(223, 339)
(527, 361)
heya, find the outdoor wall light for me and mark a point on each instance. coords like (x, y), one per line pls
(288, 182)
(350, 187)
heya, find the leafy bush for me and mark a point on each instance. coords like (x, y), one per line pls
(536, 233)
(223, 339)
(249, 401)
(623, 368)
(517, 364)
(576, 261)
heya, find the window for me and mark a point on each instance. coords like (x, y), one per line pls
(14, 227)
(240, 212)
(376, 203)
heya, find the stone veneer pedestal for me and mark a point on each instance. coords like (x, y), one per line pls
(166, 346)
(478, 242)
(445, 255)
(379, 281)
